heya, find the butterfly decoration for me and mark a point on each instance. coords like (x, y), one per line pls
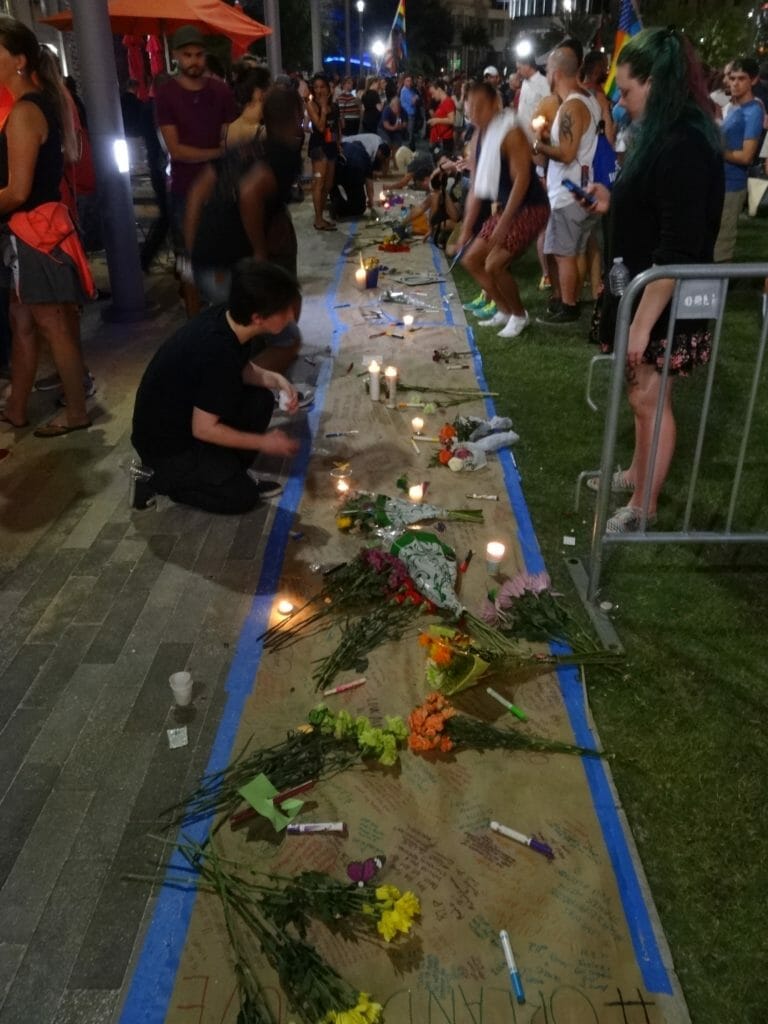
(363, 871)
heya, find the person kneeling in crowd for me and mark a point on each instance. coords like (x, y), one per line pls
(203, 408)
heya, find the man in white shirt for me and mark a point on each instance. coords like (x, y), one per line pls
(570, 150)
(533, 90)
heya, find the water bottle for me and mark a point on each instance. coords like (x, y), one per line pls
(618, 277)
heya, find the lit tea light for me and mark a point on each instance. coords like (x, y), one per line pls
(408, 321)
(284, 607)
(416, 493)
(342, 487)
(418, 424)
(382, 196)
(494, 554)
(374, 384)
(391, 374)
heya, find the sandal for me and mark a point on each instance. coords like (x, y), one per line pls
(325, 226)
(59, 429)
(4, 418)
(620, 484)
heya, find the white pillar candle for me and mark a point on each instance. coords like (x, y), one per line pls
(374, 387)
(416, 493)
(360, 278)
(418, 424)
(494, 553)
(408, 321)
(391, 374)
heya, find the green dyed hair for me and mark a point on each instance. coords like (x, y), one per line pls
(678, 92)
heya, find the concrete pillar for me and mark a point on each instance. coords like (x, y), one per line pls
(274, 42)
(317, 46)
(105, 125)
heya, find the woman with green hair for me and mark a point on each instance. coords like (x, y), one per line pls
(664, 209)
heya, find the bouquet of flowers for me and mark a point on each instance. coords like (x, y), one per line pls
(452, 665)
(379, 510)
(435, 725)
(466, 442)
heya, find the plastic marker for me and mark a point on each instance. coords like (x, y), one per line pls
(513, 709)
(514, 974)
(535, 844)
(484, 497)
(316, 826)
(343, 433)
(351, 685)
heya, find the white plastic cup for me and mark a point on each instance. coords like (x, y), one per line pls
(181, 685)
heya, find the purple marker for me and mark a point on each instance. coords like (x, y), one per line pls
(535, 844)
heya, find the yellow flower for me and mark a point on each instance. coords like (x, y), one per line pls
(387, 893)
(409, 905)
(343, 522)
(365, 1012)
(398, 917)
(387, 925)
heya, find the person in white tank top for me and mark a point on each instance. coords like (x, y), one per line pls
(570, 148)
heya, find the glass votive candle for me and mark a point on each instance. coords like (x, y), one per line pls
(342, 488)
(416, 493)
(284, 607)
(408, 321)
(494, 554)
(417, 423)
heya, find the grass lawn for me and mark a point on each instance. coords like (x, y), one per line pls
(688, 716)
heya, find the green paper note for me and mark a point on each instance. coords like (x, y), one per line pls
(260, 794)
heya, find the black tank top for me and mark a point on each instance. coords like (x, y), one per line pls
(535, 194)
(49, 167)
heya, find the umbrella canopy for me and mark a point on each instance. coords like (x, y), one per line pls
(147, 17)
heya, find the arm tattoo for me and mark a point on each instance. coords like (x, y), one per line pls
(566, 126)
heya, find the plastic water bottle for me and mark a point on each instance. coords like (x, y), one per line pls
(618, 277)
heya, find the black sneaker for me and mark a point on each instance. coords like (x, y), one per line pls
(267, 488)
(562, 317)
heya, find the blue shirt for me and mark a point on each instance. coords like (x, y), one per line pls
(742, 123)
(409, 99)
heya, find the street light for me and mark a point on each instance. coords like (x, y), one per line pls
(360, 5)
(524, 48)
(378, 49)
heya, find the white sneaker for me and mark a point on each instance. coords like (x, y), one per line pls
(515, 325)
(496, 320)
(628, 520)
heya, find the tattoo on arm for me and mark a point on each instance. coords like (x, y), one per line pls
(566, 126)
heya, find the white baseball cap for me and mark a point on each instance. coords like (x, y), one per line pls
(490, 71)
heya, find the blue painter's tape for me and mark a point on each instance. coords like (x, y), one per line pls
(152, 984)
(644, 941)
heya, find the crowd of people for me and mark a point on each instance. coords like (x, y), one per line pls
(540, 158)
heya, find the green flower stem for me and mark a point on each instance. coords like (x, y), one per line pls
(477, 735)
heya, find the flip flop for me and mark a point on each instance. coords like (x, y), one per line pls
(59, 429)
(325, 227)
(9, 421)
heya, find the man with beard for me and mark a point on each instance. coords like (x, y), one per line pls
(594, 75)
(191, 109)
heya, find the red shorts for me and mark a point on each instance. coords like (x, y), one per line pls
(526, 226)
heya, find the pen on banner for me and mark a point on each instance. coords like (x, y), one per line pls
(514, 974)
(467, 559)
(535, 844)
(343, 687)
(250, 812)
(513, 709)
(343, 433)
(308, 827)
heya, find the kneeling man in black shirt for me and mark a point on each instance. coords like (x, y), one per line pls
(202, 409)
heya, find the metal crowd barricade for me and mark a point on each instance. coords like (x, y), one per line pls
(700, 294)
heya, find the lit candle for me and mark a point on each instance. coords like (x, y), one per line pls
(418, 424)
(374, 387)
(538, 122)
(408, 321)
(342, 488)
(494, 553)
(383, 196)
(284, 607)
(416, 493)
(360, 278)
(391, 374)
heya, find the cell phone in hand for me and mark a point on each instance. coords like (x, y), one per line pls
(579, 192)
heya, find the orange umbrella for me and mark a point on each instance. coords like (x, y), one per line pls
(147, 17)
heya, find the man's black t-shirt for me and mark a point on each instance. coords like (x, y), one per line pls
(201, 366)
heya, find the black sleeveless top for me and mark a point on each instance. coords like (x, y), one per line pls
(49, 168)
(535, 194)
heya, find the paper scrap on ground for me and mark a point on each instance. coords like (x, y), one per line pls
(260, 794)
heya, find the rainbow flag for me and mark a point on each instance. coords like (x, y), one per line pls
(396, 51)
(629, 25)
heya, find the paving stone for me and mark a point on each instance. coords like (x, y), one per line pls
(102, 754)
(38, 987)
(151, 563)
(88, 1006)
(16, 737)
(152, 702)
(106, 949)
(30, 883)
(61, 610)
(22, 803)
(249, 535)
(19, 675)
(9, 600)
(104, 589)
(10, 957)
(68, 716)
(217, 544)
(57, 671)
(112, 634)
(101, 550)
(48, 584)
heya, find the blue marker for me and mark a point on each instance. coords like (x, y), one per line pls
(514, 974)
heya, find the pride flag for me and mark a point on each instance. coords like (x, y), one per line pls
(396, 51)
(629, 25)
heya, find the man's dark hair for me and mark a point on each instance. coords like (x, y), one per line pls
(746, 64)
(246, 79)
(260, 288)
(282, 107)
(489, 90)
(382, 155)
(573, 44)
(592, 60)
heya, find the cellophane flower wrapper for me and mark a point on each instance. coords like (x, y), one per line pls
(432, 567)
